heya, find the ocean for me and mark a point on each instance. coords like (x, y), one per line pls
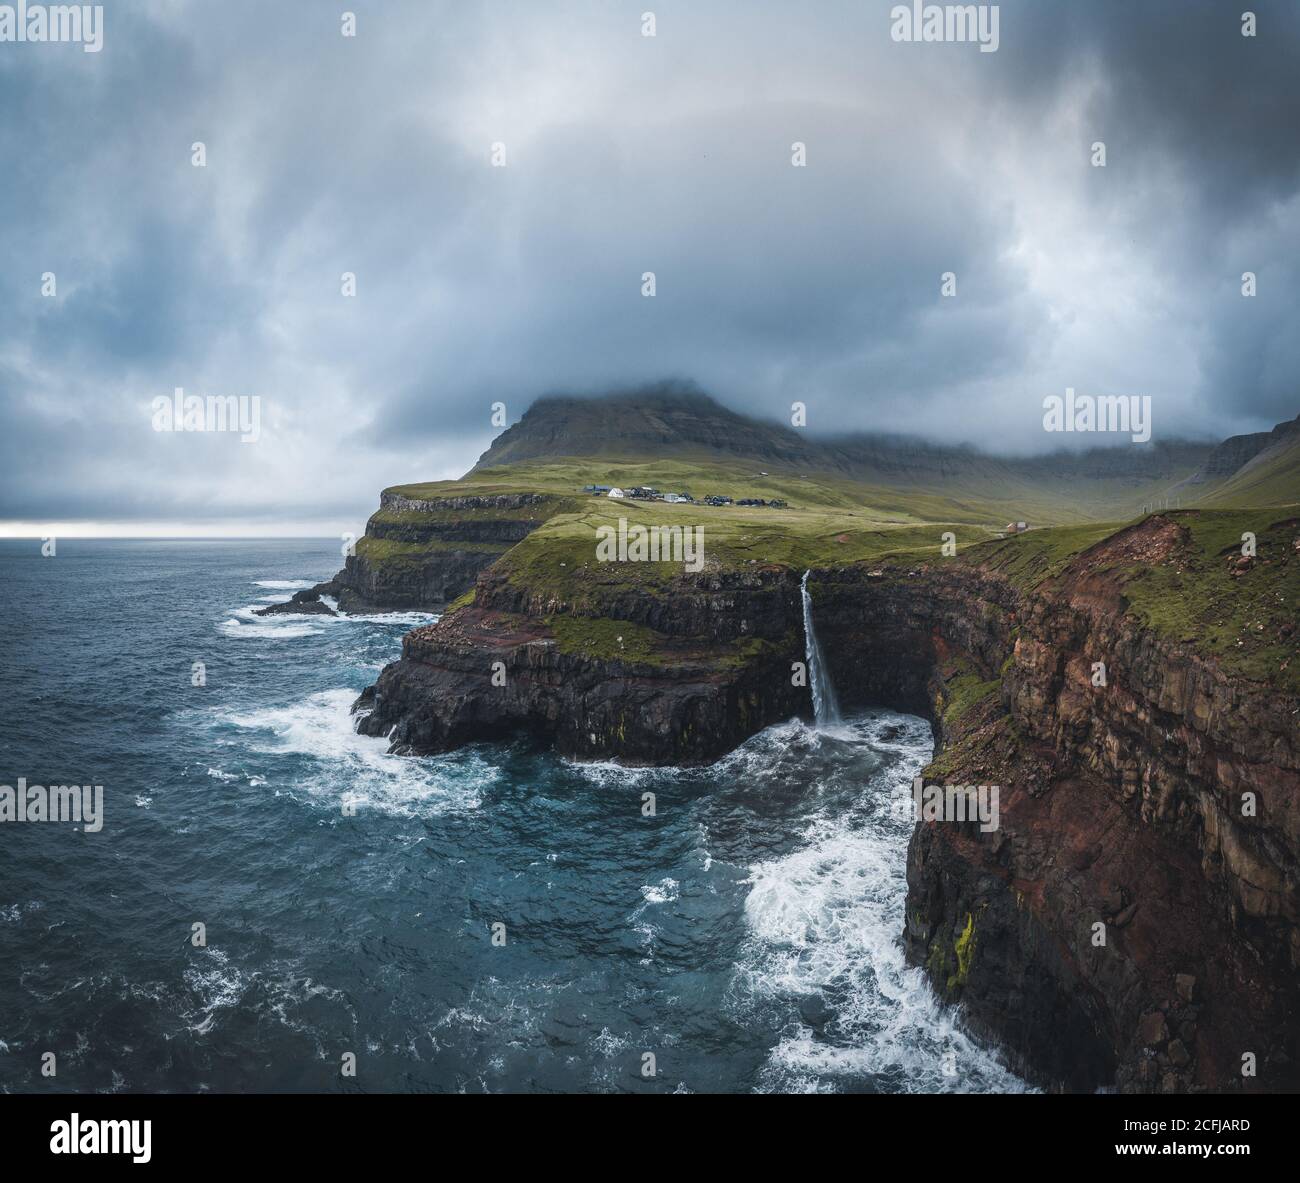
(494, 920)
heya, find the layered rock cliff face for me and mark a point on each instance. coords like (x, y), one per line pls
(422, 553)
(666, 681)
(1134, 920)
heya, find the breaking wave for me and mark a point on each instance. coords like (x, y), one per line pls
(824, 947)
(272, 628)
(344, 767)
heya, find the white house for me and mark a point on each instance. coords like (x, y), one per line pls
(615, 493)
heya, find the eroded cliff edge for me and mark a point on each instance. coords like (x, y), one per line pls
(1134, 919)
(422, 553)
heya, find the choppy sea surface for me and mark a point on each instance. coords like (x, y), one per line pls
(746, 936)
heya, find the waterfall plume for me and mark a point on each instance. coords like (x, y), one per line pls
(826, 710)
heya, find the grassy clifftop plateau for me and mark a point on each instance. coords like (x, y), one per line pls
(530, 524)
(982, 496)
(1200, 591)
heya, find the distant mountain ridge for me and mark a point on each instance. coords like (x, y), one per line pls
(642, 423)
(1239, 450)
(1269, 474)
(637, 423)
(676, 420)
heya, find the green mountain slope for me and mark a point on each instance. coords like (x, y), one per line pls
(670, 435)
(1271, 477)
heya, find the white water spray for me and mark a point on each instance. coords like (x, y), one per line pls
(826, 710)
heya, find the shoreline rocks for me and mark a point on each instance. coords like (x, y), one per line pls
(302, 603)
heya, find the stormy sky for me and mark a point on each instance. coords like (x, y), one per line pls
(624, 154)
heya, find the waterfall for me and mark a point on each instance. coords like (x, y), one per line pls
(826, 710)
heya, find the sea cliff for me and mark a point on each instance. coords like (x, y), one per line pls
(1134, 921)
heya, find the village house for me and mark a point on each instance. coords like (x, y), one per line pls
(649, 493)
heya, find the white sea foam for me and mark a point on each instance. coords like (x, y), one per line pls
(284, 584)
(220, 774)
(279, 989)
(13, 913)
(356, 767)
(824, 923)
(608, 1044)
(771, 753)
(408, 619)
(755, 756)
(606, 774)
(663, 892)
(317, 622)
(216, 984)
(269, 628)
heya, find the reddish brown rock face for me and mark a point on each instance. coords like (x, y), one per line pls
(1133, 921)
(1135, 917)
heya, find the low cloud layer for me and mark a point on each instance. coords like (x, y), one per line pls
(625, 154)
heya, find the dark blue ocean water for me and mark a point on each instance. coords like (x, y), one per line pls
(746, 936)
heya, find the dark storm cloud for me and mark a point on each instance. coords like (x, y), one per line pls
(1203, 175)
(625, 154)
(1180, 83)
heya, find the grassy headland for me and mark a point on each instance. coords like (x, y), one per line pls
(1196, 593)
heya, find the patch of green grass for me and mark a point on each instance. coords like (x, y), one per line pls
(962, 692)
(558, 563)
(1191, 594)
(986, 501)
(1193, 597)
(607, 640)
(560, 559)
(963, 948)
(1028, 559)
(464, 600)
